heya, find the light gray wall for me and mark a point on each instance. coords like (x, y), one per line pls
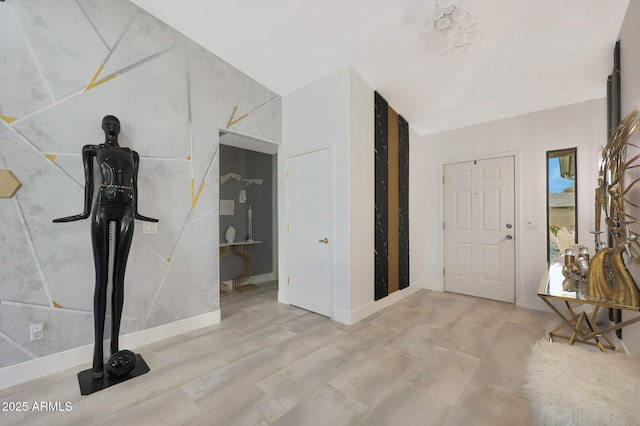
(250, 165)
(172, 98)
(527, 137)
(630, 73)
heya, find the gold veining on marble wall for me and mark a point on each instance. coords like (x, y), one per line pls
(8, 119)
(195, 197)
(95, 82)
(231, 121)
(9, 184)
(169, 92)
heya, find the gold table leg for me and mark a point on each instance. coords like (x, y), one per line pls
(247, 272)
(584, 328)
(224, 252)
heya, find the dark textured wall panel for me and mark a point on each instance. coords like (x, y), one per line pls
(404, 202)
(391, 200)
(381, 197)
(393, 239)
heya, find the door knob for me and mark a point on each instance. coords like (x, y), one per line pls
(509, 226)
(326, 240)
(509, 237)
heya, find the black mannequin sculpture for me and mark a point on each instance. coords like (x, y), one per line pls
(116, 202)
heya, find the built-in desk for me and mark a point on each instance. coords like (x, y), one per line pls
(580, 321)
(238, 248)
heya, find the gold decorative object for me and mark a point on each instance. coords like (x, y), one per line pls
(612, 196)
(9, 184)
(609, 278)
(576, 270)
(582, 325)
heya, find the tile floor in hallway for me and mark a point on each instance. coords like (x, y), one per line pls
(430, 359)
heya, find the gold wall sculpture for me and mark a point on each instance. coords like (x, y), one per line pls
(610, 280)
(614, 194)
(609, 277)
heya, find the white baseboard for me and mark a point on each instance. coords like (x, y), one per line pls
(50, 364)
(342, 316)
(433, 285)
(255, 279)
(533, 302)
(282, 297)
(620, 343)
(364, 311)
(262, 278)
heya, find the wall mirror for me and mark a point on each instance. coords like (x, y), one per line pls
(562, 211)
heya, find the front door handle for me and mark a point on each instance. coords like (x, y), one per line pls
(325, 240)
(509, 237)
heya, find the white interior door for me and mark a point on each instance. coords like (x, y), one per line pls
(479, 229)
(310, 283)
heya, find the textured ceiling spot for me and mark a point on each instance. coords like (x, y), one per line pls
(9, 184)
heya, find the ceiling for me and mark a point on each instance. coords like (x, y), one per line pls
(533, 54)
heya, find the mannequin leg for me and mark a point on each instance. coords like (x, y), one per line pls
(123, 238)
(100, 242)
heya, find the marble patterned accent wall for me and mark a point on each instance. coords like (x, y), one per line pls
(404, 201)
(65, 65)
(381, 196)
(391, 200)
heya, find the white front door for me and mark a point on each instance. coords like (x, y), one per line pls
(479, 228)
(310, 284)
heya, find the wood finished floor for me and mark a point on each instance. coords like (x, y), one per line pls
(431, 359)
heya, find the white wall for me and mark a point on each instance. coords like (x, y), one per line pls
(630, 76)
(528, 137)
(338, 111)
(361, 192)
(316, 116)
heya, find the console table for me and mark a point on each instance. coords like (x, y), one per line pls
(580, 321)
(238, 248)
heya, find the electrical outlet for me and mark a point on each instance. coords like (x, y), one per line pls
(150, 228)
(36, 331)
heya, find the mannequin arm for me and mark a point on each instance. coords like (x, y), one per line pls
(136, 161)
(88, 152)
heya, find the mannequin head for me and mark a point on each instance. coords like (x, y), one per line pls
(111, 126)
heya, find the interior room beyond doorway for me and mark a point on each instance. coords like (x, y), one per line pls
(248, 220)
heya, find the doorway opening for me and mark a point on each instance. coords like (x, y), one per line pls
(248, 221)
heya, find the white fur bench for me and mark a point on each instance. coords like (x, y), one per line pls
(571, 385)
